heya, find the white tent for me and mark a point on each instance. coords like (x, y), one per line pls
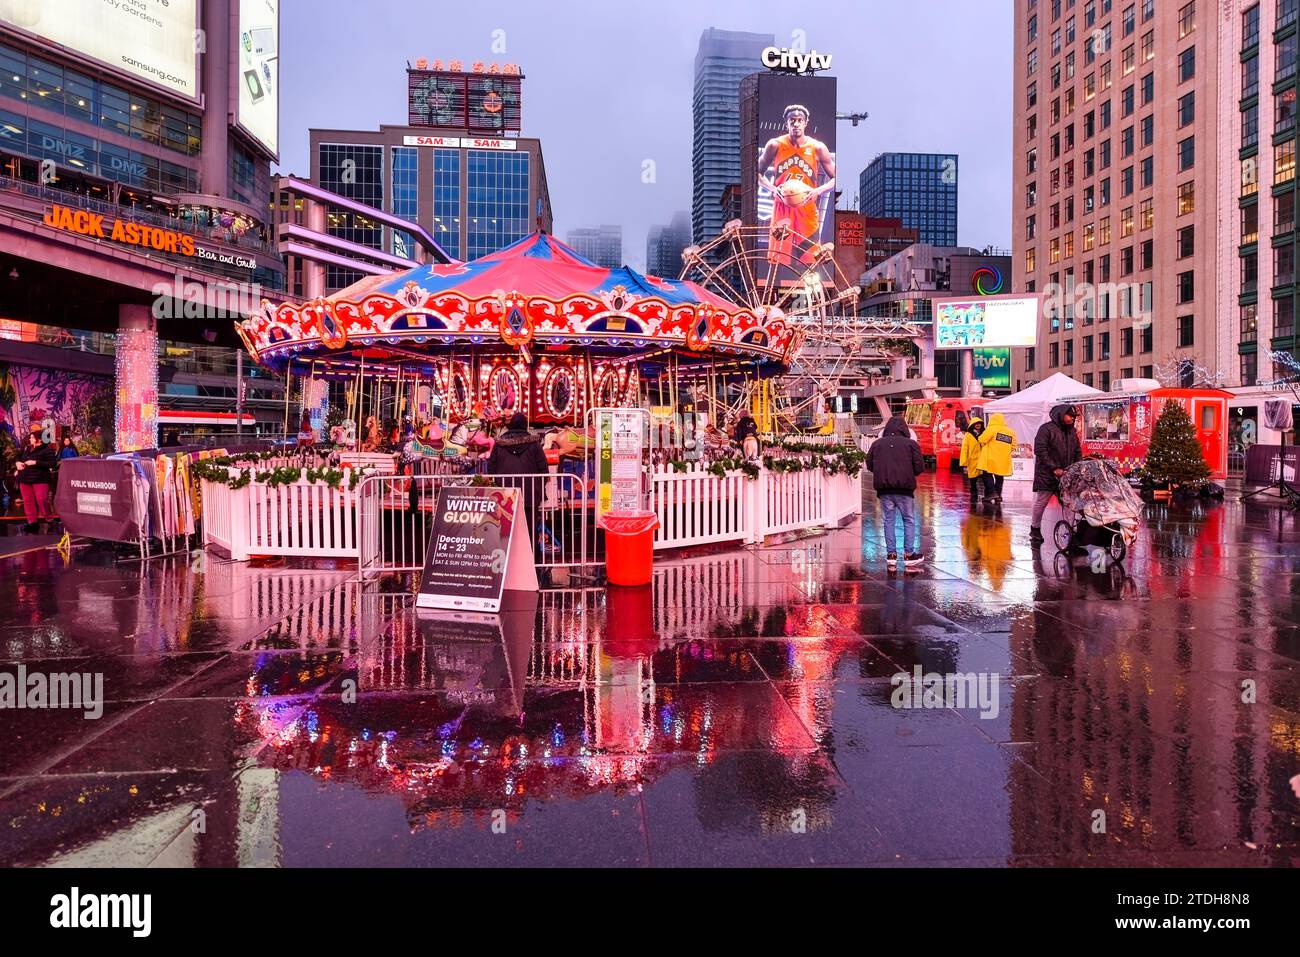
(1028, 409)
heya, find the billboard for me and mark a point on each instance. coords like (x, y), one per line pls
(484, 102)
(152, 40)
(993, 367)
(795, 172)
(988, 321)
(258, 71)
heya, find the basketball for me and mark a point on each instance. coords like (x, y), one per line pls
(795, 192)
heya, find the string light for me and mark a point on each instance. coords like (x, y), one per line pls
(136, 367)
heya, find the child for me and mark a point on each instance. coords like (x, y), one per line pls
(895, 461)
(970, 459)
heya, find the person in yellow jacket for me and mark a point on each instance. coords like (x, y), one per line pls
(996, 445)
(971, 452)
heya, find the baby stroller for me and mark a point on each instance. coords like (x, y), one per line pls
(1101, 509)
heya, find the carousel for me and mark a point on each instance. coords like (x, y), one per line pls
(533, 328)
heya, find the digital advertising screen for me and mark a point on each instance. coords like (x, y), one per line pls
(796, 165)
(993, 368)
(988, 321)
(478, 102)
(154, 40)
(258, 71)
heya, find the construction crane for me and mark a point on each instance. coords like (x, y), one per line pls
(852, 117)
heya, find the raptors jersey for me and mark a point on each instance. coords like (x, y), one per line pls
(793, 163)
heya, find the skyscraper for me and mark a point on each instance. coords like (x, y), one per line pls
(918, 188)
(603, 245)
(724, 57)
(664, 245)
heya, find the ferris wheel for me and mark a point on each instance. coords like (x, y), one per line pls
(808, 290)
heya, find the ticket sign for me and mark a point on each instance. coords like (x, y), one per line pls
(619, 444)
(479, 547)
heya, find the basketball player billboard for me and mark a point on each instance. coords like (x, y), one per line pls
(796, 165)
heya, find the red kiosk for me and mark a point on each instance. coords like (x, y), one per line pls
(1118, 425)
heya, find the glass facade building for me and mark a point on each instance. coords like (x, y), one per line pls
(722, 60)
(356, 171)
(498, 200)
(405, 198)
(918, 188)
(446, 201)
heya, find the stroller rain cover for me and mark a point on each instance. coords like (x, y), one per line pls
(1095, 489)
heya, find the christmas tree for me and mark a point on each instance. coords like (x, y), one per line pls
(1175, 456)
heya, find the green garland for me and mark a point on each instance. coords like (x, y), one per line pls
(218, 470)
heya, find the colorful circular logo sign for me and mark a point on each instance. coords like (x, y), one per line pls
(987, 281)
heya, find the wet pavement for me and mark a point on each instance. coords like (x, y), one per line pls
(740, 711)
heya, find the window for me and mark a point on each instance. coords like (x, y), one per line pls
(1249, 176)
(1284, 265)
(1056, 41)
(1089, 202)
(1069, 352)
(1126, 142)
(1126, 224)
(1103, 269)
(1145, 214)
(1187, 110)
(1249, 322)
(1105, 239)
(1103, 155)
(1031, 160)
(1127, 60)
(1088, 237)
(1105, 191)
(1186, 19)
(1056, 111)
(1187, 64)
(1055, 350)
(1054, 216)
(1249, 368)
(1055, 179)
(1250, 27)
(1148, 130)
(1148, 171)
(1284, 212)
(1186, 154)
(1056, 77)
(1069, 30)
(1090, 13)
(1030, 259)
(1186, 241)
(1286, 13)
(1069, 209)
(1148, 45)
(1090, 86)
(1148, 10)
(1148, 88)
(1148, 254)
(1126, 102)
(1054, 250)
(1250, 126)
(1033, 28)
(1069, 137)
(1031, 94)
(1029, 359)
(1147, 345)
(1103, 115)
(1055, 145)
(1089, 124)
(1087, 348)
(1284, 162)
(1031, 226)
(1103, 346)
(1187, 198)
(1249, 224)
(1185, 334)
(1284, 316)
(1089, 163)
(1031, 195)
(1126, 342)
(1126, 261)
(1069, 75)
(1250, 77)
(1126, 181)
(1105, 70)
(1286, 49)
(1186, 286)
(1031, 126)
(1104, 382)
(1129, 20)
(1249, 272)
(1032, 62)
(1284, 111)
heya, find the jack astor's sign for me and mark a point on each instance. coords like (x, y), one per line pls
(99, 226)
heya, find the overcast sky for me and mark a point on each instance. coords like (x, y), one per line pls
(609, 83)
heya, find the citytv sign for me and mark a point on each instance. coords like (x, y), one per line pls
(795, 61)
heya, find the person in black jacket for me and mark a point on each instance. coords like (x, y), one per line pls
(518, 452)
(1056, 448)
(895, 461)
(35, 468)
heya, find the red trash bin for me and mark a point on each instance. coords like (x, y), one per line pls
(629, 547)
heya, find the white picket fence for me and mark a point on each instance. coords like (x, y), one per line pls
(694, 507)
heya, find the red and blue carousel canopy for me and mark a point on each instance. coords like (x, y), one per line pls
(535, 294)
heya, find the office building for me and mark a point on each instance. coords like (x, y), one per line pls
(664, 245)
(603, 245)
(918, 188)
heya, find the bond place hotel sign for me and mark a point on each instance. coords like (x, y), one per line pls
(154, 238)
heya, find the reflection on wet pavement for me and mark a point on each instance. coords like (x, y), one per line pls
(740, 711)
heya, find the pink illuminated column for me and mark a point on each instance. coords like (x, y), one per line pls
(137, 378)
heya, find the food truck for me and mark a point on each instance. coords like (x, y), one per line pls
(939, 425)
(1118, 425)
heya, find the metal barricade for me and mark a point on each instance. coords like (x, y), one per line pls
(396, 518)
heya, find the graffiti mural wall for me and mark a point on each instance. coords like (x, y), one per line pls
(65, 402)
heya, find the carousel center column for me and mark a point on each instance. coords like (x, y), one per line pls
(137, 379)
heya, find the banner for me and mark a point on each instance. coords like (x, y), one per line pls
(96, 498)
(1266, 464)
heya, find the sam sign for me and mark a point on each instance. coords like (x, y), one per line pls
(478, 548)
(993, 367)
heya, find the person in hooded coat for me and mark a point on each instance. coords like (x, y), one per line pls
(1056, 448)
(970, 460)
(519, 452)
(996, 446)
(895, 461)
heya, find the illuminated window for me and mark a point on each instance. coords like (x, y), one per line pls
(1126, 222)
(1187, 198)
